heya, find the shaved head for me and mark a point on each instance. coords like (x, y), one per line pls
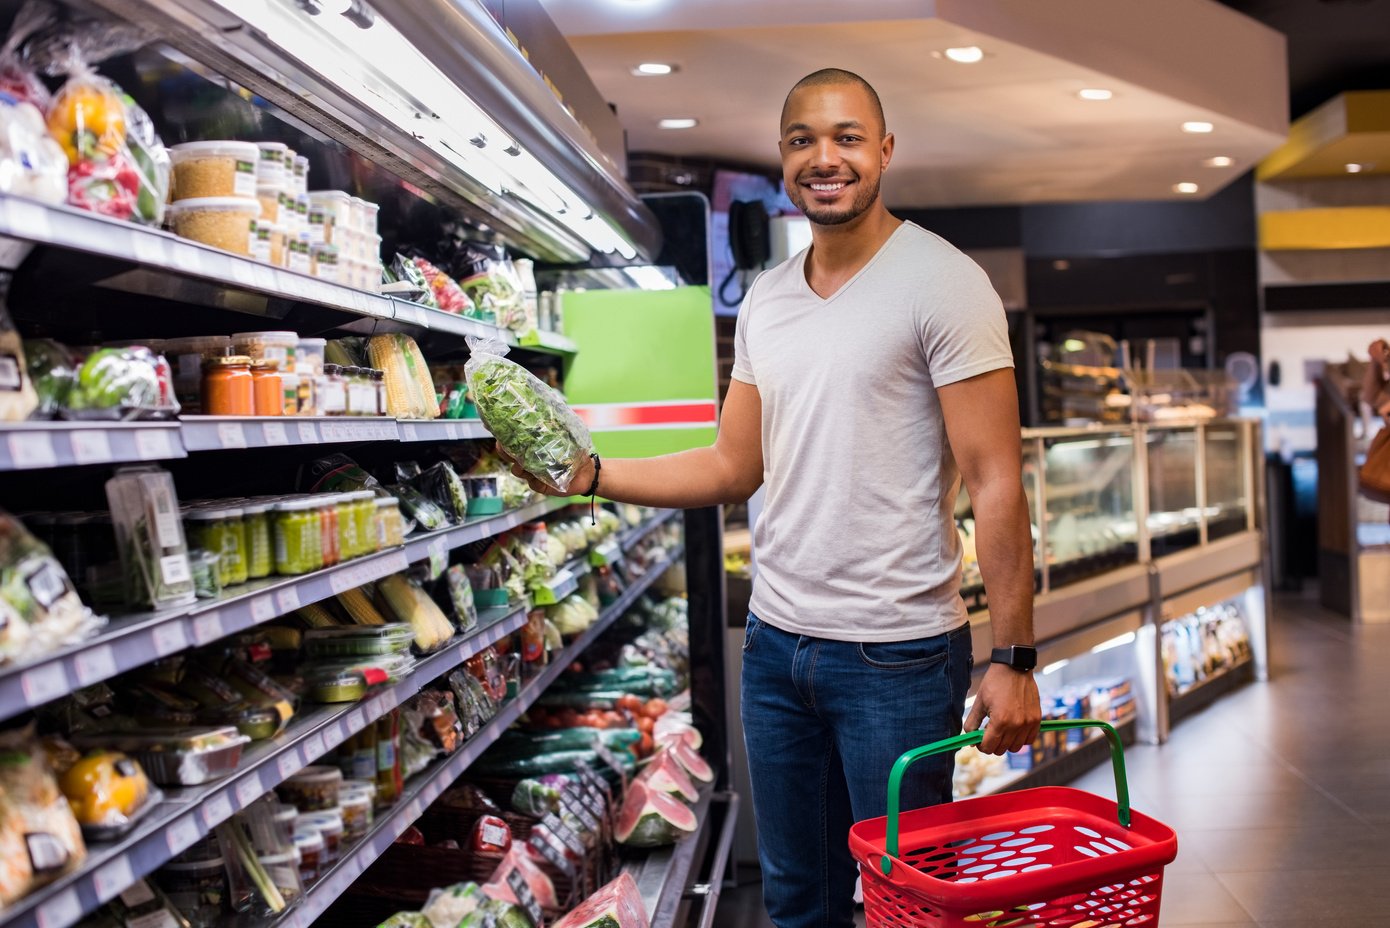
(837, 77)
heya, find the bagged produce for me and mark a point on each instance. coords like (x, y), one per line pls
(32, 164)
(616, 905)
(108, 793)
(665, 774)
(18, 76)
(122, 383)
(461, 596)
(53, 371)
(488, 276)
(531, 422)
(448, 907)
(408, 602)
(17, 397)
(652, 818)
(445, 487)
(409, 387)
(404, 270)
(446, 293)
(39, 609)
(39, 837)
(149, 534)
(410, 920)
(518, 859)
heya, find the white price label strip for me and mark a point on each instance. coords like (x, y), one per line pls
(308, 435)
(153, 444)
(287, 600)
(249, 790)
(275, 433)
(32, 450)
(207, 628)
(169, 638)
(187, 258)
(313, 747)
(263, 278)
(99, 663)
(332, 736)
(29, 220)
(182, 834)
(113, 878)
(288, 764)
(244, 273)
(262, 609)
(231, 435)
(62, 910)
(91, 446)
(355, 722)
(217, 810)
(149, 249)
(410, 433)
(43, 684)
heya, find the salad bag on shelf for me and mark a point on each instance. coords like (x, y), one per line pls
(32, 163)
(149, 534)
(39, 835)
(17, 397)
(490, 279)
(39, 609)
(532, 422)
(122, 383)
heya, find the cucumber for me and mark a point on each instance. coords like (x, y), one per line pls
(553, 762)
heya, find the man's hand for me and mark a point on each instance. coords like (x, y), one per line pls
(582, 480)
(1010, 700)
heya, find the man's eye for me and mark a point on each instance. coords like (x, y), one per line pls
(850, 139)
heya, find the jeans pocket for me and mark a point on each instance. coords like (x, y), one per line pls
(750, 632)
(905, 655)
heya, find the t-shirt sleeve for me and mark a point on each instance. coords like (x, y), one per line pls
(966, 332)
(743, 365)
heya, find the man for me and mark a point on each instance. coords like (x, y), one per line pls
(871, 373)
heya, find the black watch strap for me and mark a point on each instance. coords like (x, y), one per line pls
(1022, 658)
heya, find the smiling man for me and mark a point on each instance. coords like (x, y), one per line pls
(872, 372)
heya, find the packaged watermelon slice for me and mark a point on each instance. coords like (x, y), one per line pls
(690, 759)
(652, 818)
(665, 773)
(616, 905)
(670, 727)
(541, 886)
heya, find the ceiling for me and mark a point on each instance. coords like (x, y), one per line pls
(1009, 129)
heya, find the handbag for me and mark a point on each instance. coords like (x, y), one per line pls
(1374, 477)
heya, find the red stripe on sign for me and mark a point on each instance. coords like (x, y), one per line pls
(618, 415)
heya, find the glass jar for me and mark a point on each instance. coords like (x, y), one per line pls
(379, 385)
(349, 542)
(363, 508)
(356, 806)
(292, 388)
(357, 404)
(268, 387)
(332, 391)
(228, 388)
(310, 845)
(298, 541)
(260, 542)
(223, 532)
(186, 357)
(328, 528)
(390, 524)
(198, 889)
(270, 346)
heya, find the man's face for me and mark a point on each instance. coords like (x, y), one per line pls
(834, 151)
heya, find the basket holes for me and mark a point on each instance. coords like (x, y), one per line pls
(1035, 829)
(966, 861)
(1018, 862)
(1036, 849)
(1103, 847)
(999, 855)
(1000, 874)
(1140, 920)
(929, 868)
(1086, 850)
(1017, 842)
(959, 842)
(979, 849)
(1005, 923)
(1144, 900)
(984, 916)
(1087, 832)
(946, 856)
(968, 879)
(981, 868)
(919, 851)
(1037, 867)
(1120, 844)
(1001, 835)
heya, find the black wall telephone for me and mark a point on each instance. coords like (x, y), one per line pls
(749, 243)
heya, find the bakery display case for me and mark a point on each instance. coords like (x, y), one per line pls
(1089, 524)
(1174, 519)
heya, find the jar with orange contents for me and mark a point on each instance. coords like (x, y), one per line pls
(269, 392)
(228, 386)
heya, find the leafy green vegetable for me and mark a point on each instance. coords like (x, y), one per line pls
(116, 379)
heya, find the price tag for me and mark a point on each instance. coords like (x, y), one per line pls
(571, 802)
(243, 273)
(288, 764)
(231, 435)
(207, 627)
(249, 790)
(548, 851)
(29, 220)
(452, 430)
(522, 891)
(275, 433)
(153, 444)
(217, 809)
(182, 834)
(308, 435)
(149, 249)
(99, 663)
(412, 812)
(409, 433)
(169, 638)
(263, 278)
(90, 446)
(60, 911)
(565, 833)
(43, 684)
(262, 609)
(355, 722)
(287, 600)
(113, 878)
(333, 736)
(342, 581)
(313, 748)
(30, 450)
(187, 258)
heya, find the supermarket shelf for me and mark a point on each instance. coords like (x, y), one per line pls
(1203, 694)
(132, 641)
(609, 552)
(218, 433)
(441, 430)
(427, 787)
(189, 814)
(662, 875)
(35, 445)
(631, 538)
(544, 341)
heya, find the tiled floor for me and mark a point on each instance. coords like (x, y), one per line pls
(1280, 792)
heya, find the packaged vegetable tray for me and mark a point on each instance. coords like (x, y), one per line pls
(532, 423)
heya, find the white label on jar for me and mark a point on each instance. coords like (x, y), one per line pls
(166, 515)
(138, 894)
(32, 450)
(362, 399)
(174, 569)
(10, 377)
(258, 244)
(328, 270)
(334, 398)
(90, 446)
(244, 183)
(299, 262)
(286, 879)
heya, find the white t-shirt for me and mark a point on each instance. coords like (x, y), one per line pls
(857, 539)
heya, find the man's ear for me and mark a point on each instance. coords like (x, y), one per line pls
(887, 150)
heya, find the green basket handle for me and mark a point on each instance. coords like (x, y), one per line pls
(1117, 759)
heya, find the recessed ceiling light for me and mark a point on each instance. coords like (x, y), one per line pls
(1355, 168)
(1185, 187)
(1095, 93)
(1220, 161)
(966, 54)
(680, 122)
(1197, 128)
(653, 69)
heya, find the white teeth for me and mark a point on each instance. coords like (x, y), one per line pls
(826, 188)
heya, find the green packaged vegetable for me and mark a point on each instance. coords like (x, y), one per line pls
(122, 383)
(531, 422)
(53, 372)
(39, 609)
(461, 595)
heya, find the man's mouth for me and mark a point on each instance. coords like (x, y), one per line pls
(828, 186)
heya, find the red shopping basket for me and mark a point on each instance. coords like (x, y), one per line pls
(1047, 856)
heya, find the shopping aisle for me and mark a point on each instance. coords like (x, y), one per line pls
(1280, 793)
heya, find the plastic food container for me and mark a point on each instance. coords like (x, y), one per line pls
(222, 222)
(310, 845)
(254, 722)
(338, 205)
(359, 641)
(272, 346)
(320, 223)
(269, 195)
(214, 169)
(154, 554)
(270, 164)
(286, 215)
(323, 262)
(356, 807)
(310, 351)
(260, 542)
(358, 214)
(298, 542)
(283, 870)
(329, 824)
(368, 225)
(207, 583)
(338, 684)
(186, 357)
(390, 524)
(312, 789)
(223, 532)
(198, 889)
(185, 757)
(299, 254)
(300, 174)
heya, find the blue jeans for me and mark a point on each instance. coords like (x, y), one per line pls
(823, 722)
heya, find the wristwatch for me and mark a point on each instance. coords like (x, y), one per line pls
(1018, 656)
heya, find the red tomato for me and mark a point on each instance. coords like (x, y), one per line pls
(655, 708)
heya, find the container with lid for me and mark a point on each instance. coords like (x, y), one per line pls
(222, 222)
(260, 544)
(283, 871)
(269, 389)
(332, 391)
(286, 215)
(228, 387)
(301, 174)
(329, 825)
(271, 346)
(179, 757)
(349, 545)
(186, 356)
(214, 169)
(198, 889)
(356, 806)
(292, 386)
(378, 379)
(270, 164)
(361, 393)
(358, 213)
(298, 544)
(259, 240)
(299, 254)
(335, 684)
(310, 352)
(310, 845)
(222, 531)
(389, 521)
(359, 640)
(369, 213)
(337, 203)
(269, 196)
(320, 226)
(323, 262)
(312, 789)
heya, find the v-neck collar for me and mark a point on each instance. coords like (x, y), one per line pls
(857, 274)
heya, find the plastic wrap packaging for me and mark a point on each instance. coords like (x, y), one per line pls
(518, 859)
(18, 76)
(53, 371)
(17, 397)
(443, 485)
(448, 907)
(461, 597)
(405, 271)
(109, 793)
(39, 836)
(419, 508)
(532, 423)
(616, 905)
(488, 276)
(447, 294)
(122, 384)
(39, 609)
(32, 164)
(149, 534)
(409, 387)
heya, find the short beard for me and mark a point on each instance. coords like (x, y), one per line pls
(829, 217)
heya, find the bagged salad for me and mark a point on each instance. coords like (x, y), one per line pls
(488, 276)
(39, 609)
(531, 422)
(122, 383)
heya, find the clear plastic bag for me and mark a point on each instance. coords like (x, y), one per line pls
(154, 554)
(447, 294)
(532, 423)
(488, 276)
(122, 383)
(18, 76)
(32, 164)
(39, 609)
